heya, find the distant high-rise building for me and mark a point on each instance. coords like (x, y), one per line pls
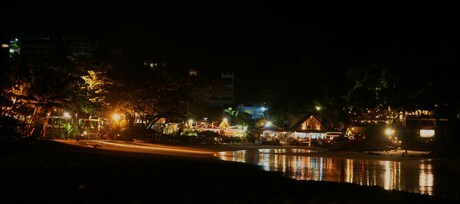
(80, 47)
(4, 50)
(39, 49)
(227, 97)
(49, 49)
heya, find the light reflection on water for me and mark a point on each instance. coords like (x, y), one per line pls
(416, 176)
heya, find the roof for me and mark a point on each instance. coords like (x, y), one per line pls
(306, 117)
(271, 128)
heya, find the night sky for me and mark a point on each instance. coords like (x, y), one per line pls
(252, 37)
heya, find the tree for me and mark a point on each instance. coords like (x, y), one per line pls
(37, 90)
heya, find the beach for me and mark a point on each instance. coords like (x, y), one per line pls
(209, 150)
(94, 172)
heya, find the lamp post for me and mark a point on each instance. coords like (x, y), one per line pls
(390, 132)
(116, 119)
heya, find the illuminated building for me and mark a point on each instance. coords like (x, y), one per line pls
(256, 112)
(49, 49)
(308, 129)
(424, 124)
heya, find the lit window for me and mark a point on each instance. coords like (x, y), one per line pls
(427, 133)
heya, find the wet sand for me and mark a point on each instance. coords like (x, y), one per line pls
(53, 172)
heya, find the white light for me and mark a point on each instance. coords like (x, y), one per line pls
(318, 108)
(427, 133)
(66, 115)
(268, 124)
(263, 109)
(389, 131)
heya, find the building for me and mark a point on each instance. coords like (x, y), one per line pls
(81, 47)
(4, 51)
(415, 128)
(227, 97)
(256, 112)
(309, 129)
(271, 134)
(423, 123)
(39, 49)
(50, 49)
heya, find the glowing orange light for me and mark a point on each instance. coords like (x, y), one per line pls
(389, 131)
(116, 116)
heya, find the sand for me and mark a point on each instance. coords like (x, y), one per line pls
(54, 172)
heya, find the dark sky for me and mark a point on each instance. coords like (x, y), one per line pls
(250, 35)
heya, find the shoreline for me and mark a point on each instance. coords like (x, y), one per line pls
(214, 149)
(53, 172)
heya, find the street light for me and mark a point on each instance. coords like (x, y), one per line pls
(389, 132)
(116, 117)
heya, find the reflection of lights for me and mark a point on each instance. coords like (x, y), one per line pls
(264, 162)
(236, 156)
(283, 162)
(293, 164)
(392, 175)
(426, 179)
(387, 181)
(349, 171)
(362, 174)
(321, 168)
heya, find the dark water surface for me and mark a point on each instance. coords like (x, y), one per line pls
(424, 176)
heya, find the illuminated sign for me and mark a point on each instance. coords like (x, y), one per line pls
(426, 133)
